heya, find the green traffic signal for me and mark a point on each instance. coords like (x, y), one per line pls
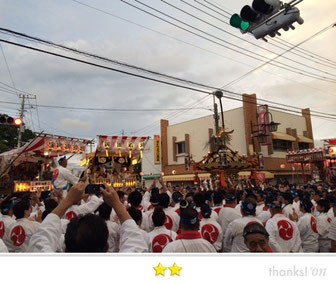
(237, 22)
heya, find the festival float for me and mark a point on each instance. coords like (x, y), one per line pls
(29, 168)
(115, 161)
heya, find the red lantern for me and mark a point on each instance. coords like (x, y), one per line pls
(162, 174)
(141, 174)
(282, 166)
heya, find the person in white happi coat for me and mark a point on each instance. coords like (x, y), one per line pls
(81, 209)
(233, 238)
(323, 225)
(218, 202)
(160, 237)
(172, 218)
(136, 214)
(6, 220)
(199, 200)
(296, 203)
(190, 240)
(228, 213)
(284, 236)
(210, 229)
(265, 214)
(21, 231)
(332, 230)
(62, 177)
(104, 211)
(307, 225)
(89, 233)
(177, 197)
(147, 223)
(287, 200)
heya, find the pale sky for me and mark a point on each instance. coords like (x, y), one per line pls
(128, 35)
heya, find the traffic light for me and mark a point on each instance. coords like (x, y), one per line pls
(9, 121)
(266, 17)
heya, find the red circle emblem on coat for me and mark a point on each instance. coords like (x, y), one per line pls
(56, 173)
(2, 229)
(313, 224)
(168, 223)
(210, 233)
(70, 215)
(18, 236)
(286, 230)
(159, 242)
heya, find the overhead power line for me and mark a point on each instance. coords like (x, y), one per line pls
(249, 54)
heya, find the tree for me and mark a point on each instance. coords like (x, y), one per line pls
(9, 136)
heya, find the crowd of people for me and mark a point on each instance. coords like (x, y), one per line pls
(282, 218)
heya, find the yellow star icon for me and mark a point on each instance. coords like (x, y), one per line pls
(175, 270)
(160, 270)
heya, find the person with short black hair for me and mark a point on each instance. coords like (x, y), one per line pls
(177, 197)
(307, 225)
(6, 220)
(172, 218)
(256, 238)
(210, 229)
(104, 211)
(160, 236)
(218, 201)
(233, 239)
(287, 200)
(136, 214)
(228, 213)
(323, 225)
(190, 240)
(21, 232)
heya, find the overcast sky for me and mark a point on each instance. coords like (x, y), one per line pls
(134, 37)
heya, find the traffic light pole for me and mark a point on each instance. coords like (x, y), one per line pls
(20, 130)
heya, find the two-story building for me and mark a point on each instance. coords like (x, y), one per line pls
(193, 138)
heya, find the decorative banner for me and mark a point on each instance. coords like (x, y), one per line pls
(157, 150)
(261, 177)
(63, 145)
(262, 111)
(305, 156)
(32, 186)
(115, 145)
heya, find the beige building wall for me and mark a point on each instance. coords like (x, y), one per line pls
(198, 130)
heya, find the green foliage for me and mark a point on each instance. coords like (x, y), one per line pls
(9, 136)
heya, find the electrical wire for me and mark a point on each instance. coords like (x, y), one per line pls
(287, 67)
(8, 69)
(196, 46)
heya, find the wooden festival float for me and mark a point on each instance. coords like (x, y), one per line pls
(115, 161)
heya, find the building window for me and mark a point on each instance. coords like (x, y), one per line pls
(180, 147)
(281, 145)
(303, 145)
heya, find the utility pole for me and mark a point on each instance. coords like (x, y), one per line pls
(216, 118)
(20, 130)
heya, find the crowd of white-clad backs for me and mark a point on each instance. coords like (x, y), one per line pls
(302, 221)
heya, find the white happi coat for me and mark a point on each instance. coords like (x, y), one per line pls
(227, 215)
(46, 239)
(331, 214)
(213, 216)
(6, 223)
(315, 213)
(212, 232)
(233, 238)
(264, 216)
(284, 235)
(159, 238)
(296, 206)
(113, 237)
(172, 219)
(3, 248)
(90, 206)
(332, 230)
(323, 226)
(62, 177)
(20, 235)
(189, 242)
(260, 208)
(217, 209)
(307, 225)
(288, 209)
